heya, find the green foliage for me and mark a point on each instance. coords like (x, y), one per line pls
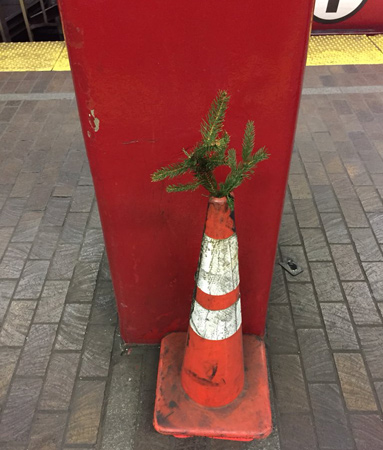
(213, 152)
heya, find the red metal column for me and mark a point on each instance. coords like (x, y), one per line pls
(145, 73)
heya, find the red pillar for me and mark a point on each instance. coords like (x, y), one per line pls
(145, 73)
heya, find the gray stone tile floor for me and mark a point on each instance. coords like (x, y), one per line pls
(66, 382)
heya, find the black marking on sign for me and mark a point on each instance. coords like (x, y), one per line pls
(333, 7)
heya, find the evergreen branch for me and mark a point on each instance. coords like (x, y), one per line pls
(183, 187)
(207, 180)
(212, 125)
(232, 159)
(171, 171)
(248, 141)
(211, 153)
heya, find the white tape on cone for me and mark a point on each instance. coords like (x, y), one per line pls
(218, 271)
(216, 325)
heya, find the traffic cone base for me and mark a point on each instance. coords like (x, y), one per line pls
(246, 418)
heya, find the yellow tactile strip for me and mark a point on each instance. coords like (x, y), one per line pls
(29, 56)
(323, 51)
(343, 50)
(62, 62)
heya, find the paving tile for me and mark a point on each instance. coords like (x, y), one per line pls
(338, 326)
(94, 219)
(47, 432)
(366, 245)
(377, 179)
(60, 380)
(329, 417)
(379, 391)
(335, 228)
(295, 164)
(326, 282)
(357, 173)
(290, 391)
(299, 187)
(14, 259)
(16, 323)
(97, 351)
(342, 107)
(64, 261)
(83, 282)
(342, 185)
(368, 431)
(297, 254)
(123, 402)
(370, 199)
(346, 262)
(8, 358)
(24, 184)
(288, 234)
(86, 176)
(317, 360)
(308, 152)
(354, 381)
(37, 350)
(5, 237)
(374, 271)
(56, 211)
(278, 291)
(325, 199)
(74, 228)
(296, 432)
(353, 212)
(362, 306)
(315, 245)
(19, 409)
(316, 173)
(306, 213)
(104, 268)
(84, 419)
(45, 243)
(93, 247)
(82, 199)
(376, 220)
(332, 163)
(104, 304)
(7, 288)
(11, 212)
(73, 326)
(372, 345)
(51, 304)
(305, 310)
(4, 193)
(323, 141)
(39, 197)
(280, 330)
(32, 279)
(27, 228)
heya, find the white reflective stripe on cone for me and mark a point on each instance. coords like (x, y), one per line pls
(216, 325)
(218, 272)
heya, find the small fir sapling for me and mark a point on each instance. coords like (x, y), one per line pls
(212, 152)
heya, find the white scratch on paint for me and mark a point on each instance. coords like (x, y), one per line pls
(218, 270)
(216, 325)
(94, 121)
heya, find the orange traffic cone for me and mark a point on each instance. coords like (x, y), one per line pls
(202, 389)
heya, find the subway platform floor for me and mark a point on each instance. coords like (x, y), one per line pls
(66, 382)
